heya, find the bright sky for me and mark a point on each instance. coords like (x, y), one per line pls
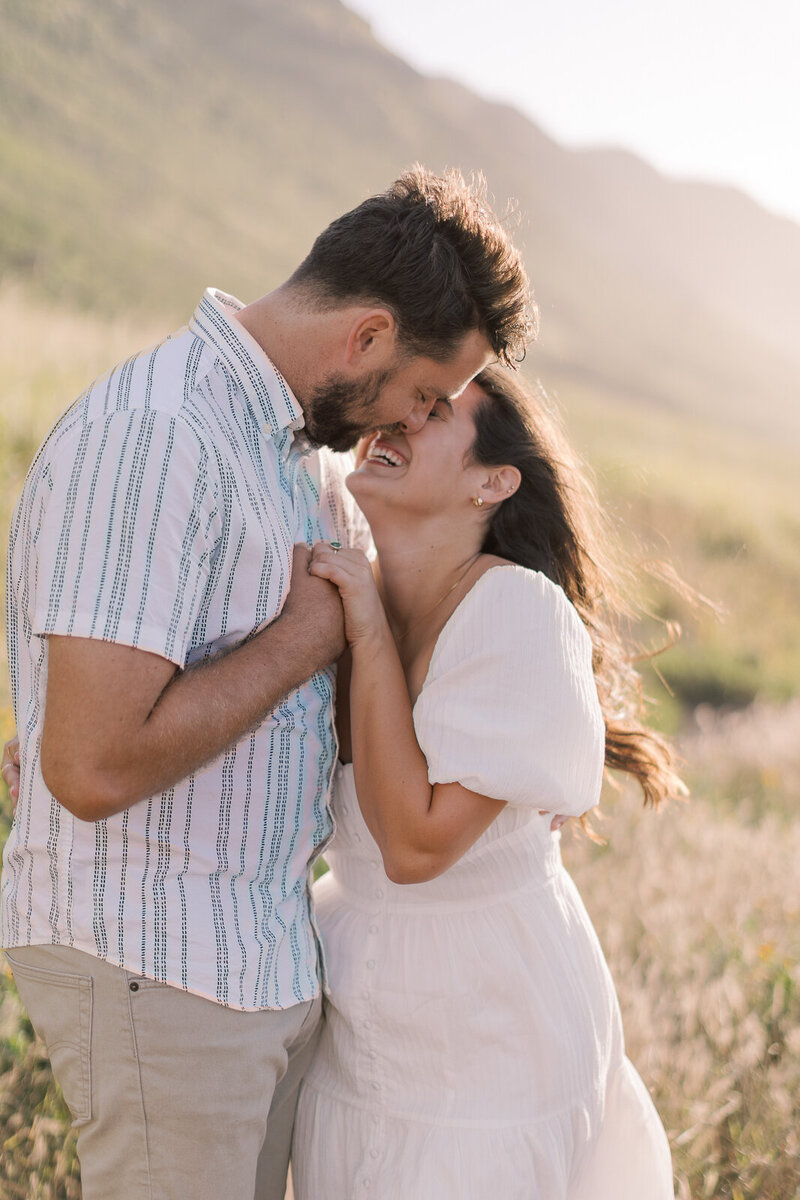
(708, 89)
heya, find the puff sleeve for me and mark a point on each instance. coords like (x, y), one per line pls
(509, 708)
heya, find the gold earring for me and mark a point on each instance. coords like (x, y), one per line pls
(477, 501)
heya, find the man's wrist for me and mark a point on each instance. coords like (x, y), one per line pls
(299, 646)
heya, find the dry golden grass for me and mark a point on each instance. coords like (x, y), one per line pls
(698, 911)
(698, 907)
(699, 914)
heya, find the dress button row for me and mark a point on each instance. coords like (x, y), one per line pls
(374, 1153)
(371, 964)
(379, 893)
(374, 929)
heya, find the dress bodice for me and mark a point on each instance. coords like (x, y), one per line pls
(515, 851)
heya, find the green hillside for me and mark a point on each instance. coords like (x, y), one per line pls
(149, 148)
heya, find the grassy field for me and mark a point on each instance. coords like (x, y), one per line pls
(697, 907)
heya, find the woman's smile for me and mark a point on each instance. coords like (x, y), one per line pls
(382, 452)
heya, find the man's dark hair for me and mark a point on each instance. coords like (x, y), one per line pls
(431, 251)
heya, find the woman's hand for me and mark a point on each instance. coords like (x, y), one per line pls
(360, 452)
(351, 573)
(10, 769)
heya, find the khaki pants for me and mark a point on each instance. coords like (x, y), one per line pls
(174, 1097)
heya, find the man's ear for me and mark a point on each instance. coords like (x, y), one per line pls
(500, 483)
(371, 340)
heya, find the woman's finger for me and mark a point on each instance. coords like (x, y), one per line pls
(11, 751)
(331, 571)
(331, 550)
(9, 770)
(10, 775)
(558, 820)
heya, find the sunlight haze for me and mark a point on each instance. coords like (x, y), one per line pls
(699, 88)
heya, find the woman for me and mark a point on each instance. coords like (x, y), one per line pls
(473, 1045)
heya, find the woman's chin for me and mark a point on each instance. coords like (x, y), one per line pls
(370, 477)
(380, 495)
(365, 486)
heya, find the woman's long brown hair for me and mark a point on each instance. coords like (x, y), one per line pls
(554, 524)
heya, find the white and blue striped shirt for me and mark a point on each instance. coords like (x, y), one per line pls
(160, 512)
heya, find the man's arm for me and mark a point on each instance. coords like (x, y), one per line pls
(122, 724)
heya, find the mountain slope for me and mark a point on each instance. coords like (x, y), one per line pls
(149, 148)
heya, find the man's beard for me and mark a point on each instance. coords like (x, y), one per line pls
(338, 413)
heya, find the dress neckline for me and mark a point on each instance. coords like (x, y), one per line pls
(516, 567)
(446, 627)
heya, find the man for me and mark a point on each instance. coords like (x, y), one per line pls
(172, 679)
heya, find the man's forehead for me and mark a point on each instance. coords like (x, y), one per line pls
(450, 384)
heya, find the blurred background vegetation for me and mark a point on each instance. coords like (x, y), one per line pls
(149, 149)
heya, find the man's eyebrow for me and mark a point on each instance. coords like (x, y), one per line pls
(444, 400)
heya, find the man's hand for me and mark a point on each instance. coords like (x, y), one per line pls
(315, 607)
(10, 769)
(351, 572)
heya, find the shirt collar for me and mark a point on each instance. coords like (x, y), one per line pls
(261, 383)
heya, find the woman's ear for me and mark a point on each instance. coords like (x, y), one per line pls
(501, 483)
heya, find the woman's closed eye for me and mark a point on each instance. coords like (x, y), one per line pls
(439, 410)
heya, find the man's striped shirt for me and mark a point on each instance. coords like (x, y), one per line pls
(160, 513)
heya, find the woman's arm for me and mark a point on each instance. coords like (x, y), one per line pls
(421, 830)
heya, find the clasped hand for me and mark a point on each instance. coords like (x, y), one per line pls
(351, 572)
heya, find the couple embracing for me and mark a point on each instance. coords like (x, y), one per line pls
(189, 571)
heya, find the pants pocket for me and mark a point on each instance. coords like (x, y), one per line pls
(60, 1008)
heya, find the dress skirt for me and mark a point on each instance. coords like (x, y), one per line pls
(472, 1047)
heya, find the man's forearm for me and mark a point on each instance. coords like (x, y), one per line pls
(107, 745)
(213, 705)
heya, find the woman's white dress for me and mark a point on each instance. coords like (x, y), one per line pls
(472, 1048)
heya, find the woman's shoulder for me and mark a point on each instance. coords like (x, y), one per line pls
(515, 588)
(510, 706)
(510, 609)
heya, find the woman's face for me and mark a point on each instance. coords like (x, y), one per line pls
(426, 472)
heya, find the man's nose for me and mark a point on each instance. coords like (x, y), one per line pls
(417, 417)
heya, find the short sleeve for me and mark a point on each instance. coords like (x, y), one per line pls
(509, 708)
(126, 528)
